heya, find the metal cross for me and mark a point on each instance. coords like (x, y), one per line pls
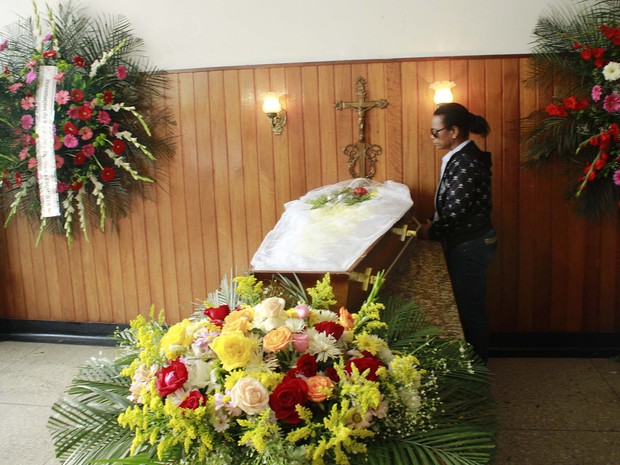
(353, 151)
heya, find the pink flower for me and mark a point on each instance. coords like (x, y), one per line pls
(31, 76)
(597, 91)
(59, 77)
(617, 178)
(121, 72)
(59, 162)
(15, 87)
(27, 121)
(86, 133)
(104, 117)
(89, 150)
(62, 187)
(114, 129)
(57, 143)
(27, 102)
(4, 45)
(72, 112)
(612, 103)
(70, 141)
(62, 97)
(23, 154)
(32, 162)
(47, 37)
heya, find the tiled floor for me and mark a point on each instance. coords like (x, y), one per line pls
(552, 411)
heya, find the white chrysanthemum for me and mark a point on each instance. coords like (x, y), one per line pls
(296, 325)
(327, 315)
(611, 71)
(323, 346)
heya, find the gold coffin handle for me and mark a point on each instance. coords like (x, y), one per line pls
(366, 278)
(404, 232)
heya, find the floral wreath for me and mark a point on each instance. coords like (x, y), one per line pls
(269, 375)
(104, 109)
(578, 52)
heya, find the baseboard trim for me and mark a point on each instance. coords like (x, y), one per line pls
(67, 332)
(568, 345)
(503, 344)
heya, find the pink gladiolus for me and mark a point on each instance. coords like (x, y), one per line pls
(62, 97)
(27, 121)
(27, 103)
(70, 141)
(23, 154)
(612, 103)
(30, 77)
(15, 87)
(32, 162)
(597, 91)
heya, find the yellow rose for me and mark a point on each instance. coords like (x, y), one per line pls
(178, 338)
(233, 349)
(238, 320)
(277, 339)
(319, 388)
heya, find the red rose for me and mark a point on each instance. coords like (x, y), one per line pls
(360, 191)
(79, 61)
(286, 395)
(77, 95)
(108, 174)
(306, 365)
(70, 128)
(193, 400)
(171, 378)
(370, 363)
(330, 328)
(332, 374)
(217, 314)
(49, 54)
(84, 113)
(118, 146)
(75, 186)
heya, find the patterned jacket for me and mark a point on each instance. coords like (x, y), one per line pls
(463, 202)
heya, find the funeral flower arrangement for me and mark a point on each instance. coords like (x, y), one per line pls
(103, 117)
(348, 195)
(579, 52)
(266, 375)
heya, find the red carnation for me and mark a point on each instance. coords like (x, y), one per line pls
(70, 128)
(108, 97)
(286, 396)
(118, 146)
(217, 314)
(79, 159)
(49, 54)
(75, 186)
(108, 174)
(330, 328)
(171, 378)
(84, 113)
(193, 400)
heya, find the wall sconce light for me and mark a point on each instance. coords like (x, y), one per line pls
(443, 91)
(274, 111)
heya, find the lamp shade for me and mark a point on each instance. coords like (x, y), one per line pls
(443, 91)
(272, 104)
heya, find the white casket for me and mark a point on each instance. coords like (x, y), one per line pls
(352, 229)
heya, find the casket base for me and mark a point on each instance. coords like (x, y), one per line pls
(351, 287)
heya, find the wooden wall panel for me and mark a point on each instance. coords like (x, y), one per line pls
(230, 179)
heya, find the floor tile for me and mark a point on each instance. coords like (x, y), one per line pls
(610, 371)
(24, 438)
(554, 394)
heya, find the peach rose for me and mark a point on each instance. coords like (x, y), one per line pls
(346, 319)
(319, 388)
(238, 320)
(277, 339)
(250, 395)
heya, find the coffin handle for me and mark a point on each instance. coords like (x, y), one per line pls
(366, 278)
(404, 232)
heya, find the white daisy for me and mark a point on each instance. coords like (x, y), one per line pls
(323, 346)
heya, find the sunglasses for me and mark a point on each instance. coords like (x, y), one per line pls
(435, 132)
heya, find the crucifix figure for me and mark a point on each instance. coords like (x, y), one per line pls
(360, 148)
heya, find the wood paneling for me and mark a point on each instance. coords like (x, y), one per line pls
(230, 179)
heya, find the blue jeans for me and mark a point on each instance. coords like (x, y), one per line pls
(467, 264)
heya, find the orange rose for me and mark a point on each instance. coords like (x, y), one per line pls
(238, 320)
(319, 388)
(346, 319)
(277, 339)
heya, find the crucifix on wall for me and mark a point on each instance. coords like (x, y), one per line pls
(360, 149)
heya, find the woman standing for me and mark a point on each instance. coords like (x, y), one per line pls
(462, 220)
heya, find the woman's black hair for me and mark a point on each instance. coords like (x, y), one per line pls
(455, 114)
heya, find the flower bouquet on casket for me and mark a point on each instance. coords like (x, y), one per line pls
(270, 375)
